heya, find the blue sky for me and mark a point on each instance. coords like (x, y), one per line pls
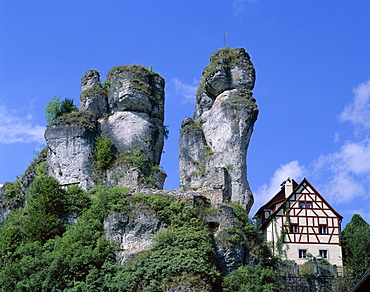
(313, 79)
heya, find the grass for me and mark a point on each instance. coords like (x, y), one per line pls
(94, 92)
(191, 126)
(80, 119)
(137, 69)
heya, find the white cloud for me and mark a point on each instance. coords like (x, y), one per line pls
(18, 128)
(353, 157)
(358, 111)
(343, 174)
(186, 90)
(267, 191)
(340, 176)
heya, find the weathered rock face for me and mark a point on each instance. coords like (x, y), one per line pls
(137, 89)
(129, 176)
(133, 233)
(129, 109)
(229, 256)
(91, 79)
(219, 133)
(70, 154)
(136, 107)
(93, 98)
(8, 205)
(129, 130)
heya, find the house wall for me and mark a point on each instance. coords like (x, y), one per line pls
(273, 232)
(334, 252)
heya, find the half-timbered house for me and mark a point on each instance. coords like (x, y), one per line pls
(298, 221)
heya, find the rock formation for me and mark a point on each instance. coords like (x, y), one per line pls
(216, 139)
(133, 233)
(129, 109)
(70, 152)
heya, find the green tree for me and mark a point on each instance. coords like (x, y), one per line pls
(52, 109)
(67, 106)
(56, 108)
(45, 202)
(355, 240)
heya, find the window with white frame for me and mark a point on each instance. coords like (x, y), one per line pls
(323, 253)
(302, 253)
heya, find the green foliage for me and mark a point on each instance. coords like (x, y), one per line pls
(81, 118)
(150, 70)
(201, 168)
(136, 69)
(184, 250)
(137, 158)
(12, 189)
(106, 83)
(67, 106)
(246, 232)
(134, 157)
(45, 201)
(38, 253)
(191, 126)
(355, 240)
(55, 108)
(103, 151)
(166, 131)
(78, 259)
(343, 284)
(247, 278)
(77, 200)
(105, 200)
(312, 260)
(52, 109)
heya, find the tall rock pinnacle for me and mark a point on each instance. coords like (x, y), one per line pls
(213, 144)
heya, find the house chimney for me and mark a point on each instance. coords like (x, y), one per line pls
(288, 187)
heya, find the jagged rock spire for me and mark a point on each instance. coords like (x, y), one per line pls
(214, 143)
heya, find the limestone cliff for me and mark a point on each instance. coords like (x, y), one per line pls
(216, 139)
(129, 109)
(70, 151)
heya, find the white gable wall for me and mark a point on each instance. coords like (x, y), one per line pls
(308, 221)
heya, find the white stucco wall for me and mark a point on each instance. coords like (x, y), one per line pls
(334, 252)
